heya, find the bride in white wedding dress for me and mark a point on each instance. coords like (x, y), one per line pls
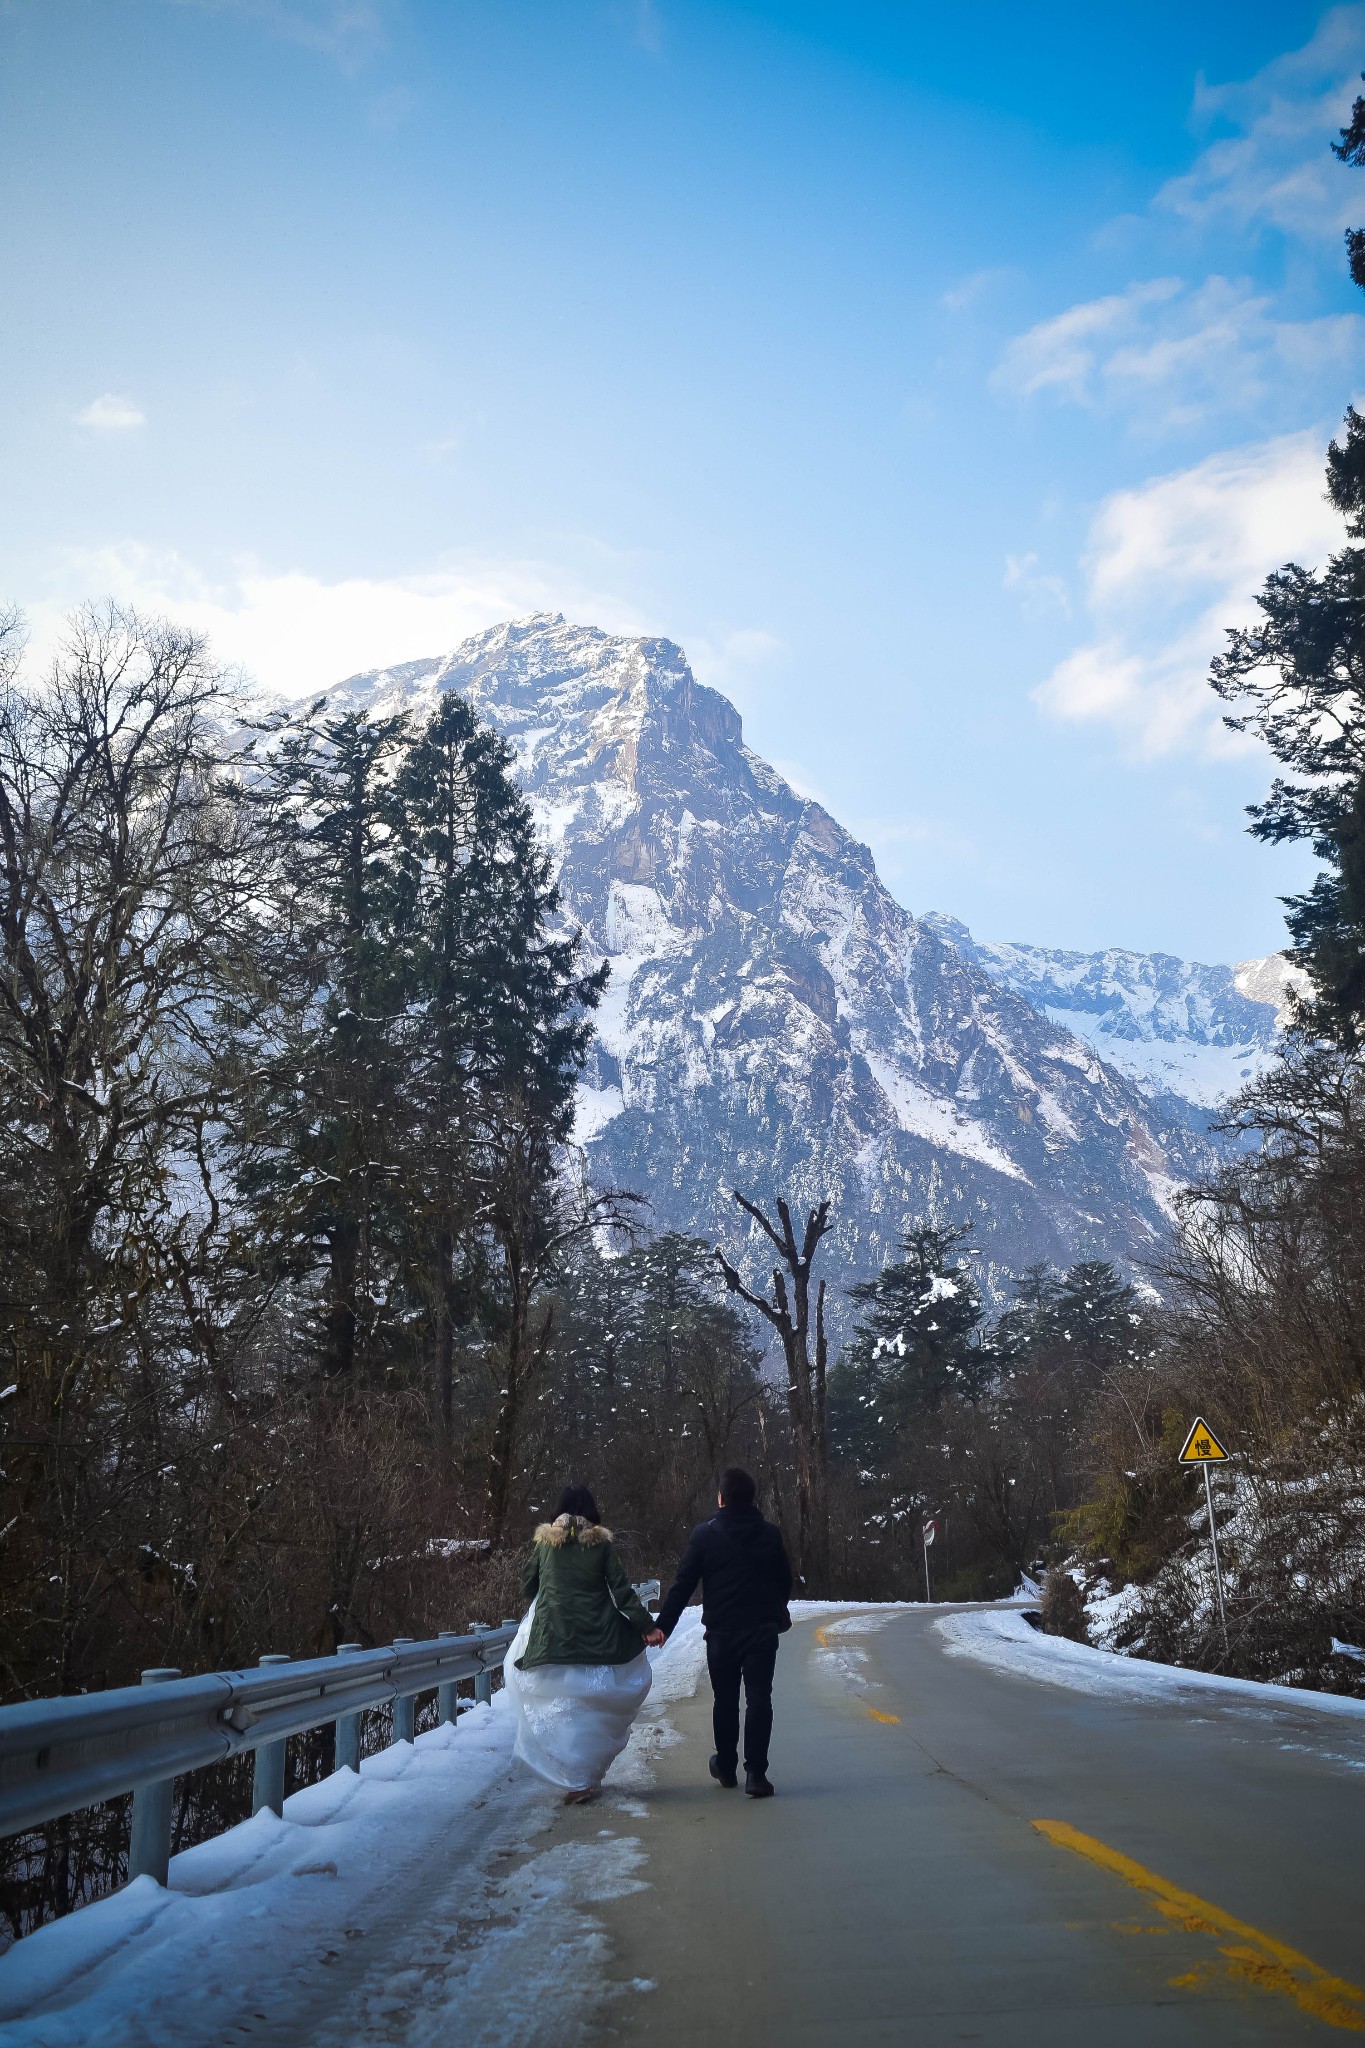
(577, 1671)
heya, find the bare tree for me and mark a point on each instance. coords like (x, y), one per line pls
(123, 875)
(127, 877)
(789, 1313)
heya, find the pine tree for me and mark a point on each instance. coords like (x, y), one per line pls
(919, 1343)
(1090, 1310)
(1030, 1321)
(316, 1148)
(1300, 674)
(1351, 150)
(497, 1015)
(415, 1074)
(1096, 1308)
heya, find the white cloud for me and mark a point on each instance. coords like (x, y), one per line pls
(1169, 567)
(295, 633)
(972, 289)
(1064, 353)
(1278, 168)
(1039, 594)
(1222, 523)
(113, 412)
(730, 662)
(1171, 356)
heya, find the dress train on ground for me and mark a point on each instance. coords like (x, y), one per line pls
(573, 1720)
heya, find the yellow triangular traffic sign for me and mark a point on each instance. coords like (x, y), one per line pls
(1201, 1445)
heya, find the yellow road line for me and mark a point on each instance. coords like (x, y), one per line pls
(1259, 1958)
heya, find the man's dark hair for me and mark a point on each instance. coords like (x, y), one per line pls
(737, 1489)
(576, 1500)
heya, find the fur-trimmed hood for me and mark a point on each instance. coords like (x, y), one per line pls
(572, 1529)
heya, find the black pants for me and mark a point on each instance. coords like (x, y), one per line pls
(751, 1658)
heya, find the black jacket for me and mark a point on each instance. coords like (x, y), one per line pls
(745, 1578)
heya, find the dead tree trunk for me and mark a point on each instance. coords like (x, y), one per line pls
(789, 1313)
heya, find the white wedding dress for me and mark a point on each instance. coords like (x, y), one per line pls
(573, 1720)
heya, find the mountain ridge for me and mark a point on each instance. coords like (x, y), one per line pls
(776, 1020)
(1186, 1033)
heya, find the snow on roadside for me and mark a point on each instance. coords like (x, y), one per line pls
(486, 1970)
(377, 1897)
(250, 1911)
(1009, 1644)
(677, 1673)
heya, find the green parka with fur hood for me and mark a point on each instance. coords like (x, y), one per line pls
(587, 1611)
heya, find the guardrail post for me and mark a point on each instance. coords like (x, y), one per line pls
(405, 1705)
(267, 1781)
(346, 1748)
(447, 1707)
(483, 1683)
(149, 1844)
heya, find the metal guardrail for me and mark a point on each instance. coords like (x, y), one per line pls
(58, 1755)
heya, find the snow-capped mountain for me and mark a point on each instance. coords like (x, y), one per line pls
(776, 1021)
(1189, 1036)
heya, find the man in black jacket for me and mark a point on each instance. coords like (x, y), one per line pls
(746, 1581)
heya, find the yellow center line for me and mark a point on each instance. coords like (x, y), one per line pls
(1258, 1958)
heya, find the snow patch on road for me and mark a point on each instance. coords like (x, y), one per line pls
(862, 1624)
(834, 1655)
(536, 1950)
(677, 1672)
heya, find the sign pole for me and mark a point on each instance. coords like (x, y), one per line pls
(1217, 1567)
(928, 1531)
(1203, 1448)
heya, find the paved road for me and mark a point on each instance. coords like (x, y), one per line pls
(954, 1855)
(900, 1888)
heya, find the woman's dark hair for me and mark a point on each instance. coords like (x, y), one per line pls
(576, 1500)
(737, 1489)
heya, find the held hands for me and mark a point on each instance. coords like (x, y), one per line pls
(655, 1639)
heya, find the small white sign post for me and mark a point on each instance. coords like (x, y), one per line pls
(930, 1531)
(1203, 1448)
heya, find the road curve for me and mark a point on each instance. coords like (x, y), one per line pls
(957, 1854)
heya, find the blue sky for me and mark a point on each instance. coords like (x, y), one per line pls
(943, 380)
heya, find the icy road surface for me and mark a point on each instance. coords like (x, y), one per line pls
(981, 1834)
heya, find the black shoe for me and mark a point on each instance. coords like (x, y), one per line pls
(726, 1778)
(757, 1786)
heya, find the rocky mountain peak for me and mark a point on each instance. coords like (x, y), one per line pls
(775, 1018)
